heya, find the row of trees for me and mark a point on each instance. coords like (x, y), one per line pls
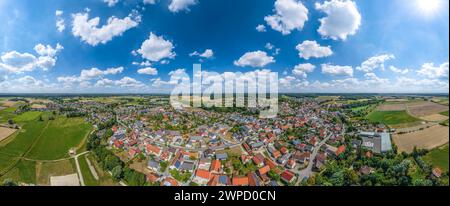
(110, 162)
(389, 169)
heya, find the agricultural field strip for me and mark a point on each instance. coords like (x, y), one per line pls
(25, 153)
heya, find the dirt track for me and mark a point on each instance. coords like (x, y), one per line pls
(426, 109)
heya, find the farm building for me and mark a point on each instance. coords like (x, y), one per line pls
(376, 142)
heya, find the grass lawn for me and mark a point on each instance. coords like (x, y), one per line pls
(27, 116)
(438, 157)
(391, 117)
(89, 179)
(60, 135)
(444, 113)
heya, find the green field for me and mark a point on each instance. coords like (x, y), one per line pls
(391, 117)
(60, 135)
(21, 156)
(6, 114)
(89, 179)
(25, 138)
(444, 113)
(438, 157)
(24, 171)
(27, 116)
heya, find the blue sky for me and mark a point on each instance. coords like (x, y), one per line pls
(315, 46)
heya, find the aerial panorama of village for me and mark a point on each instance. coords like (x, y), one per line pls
(141, 140)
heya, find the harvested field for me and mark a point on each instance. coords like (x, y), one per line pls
(8, 103)
(67, 180)
(39, 101)
(392, 107)
(396, 100)
(5, 132)
(429, 138)
(38, 106)
(435, 118)
(46, 170)
(426, 108)
(415, 128)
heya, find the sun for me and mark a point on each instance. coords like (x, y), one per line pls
(428, 7)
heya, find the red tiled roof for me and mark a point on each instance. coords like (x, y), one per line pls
(215, 165)
(287, 175)
(203, 174)
(240, 181)
(264, 170)
(340, 150)
(270, 163)
(153, 149)
(214, 180)
(256, 160)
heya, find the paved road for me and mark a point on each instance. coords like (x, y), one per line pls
(307, 172)
(91, 168)
(78, 167)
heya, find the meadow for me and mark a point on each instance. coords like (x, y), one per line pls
(60, 135)
(391, 117)
(438, 157)
(24, 156)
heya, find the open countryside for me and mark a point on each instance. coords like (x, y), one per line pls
(40, 147)
(142, 140)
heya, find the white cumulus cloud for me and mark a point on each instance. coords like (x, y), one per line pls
(375, 62)
(261, 28)
(208, 53)
(343, 19)
(289, 15)
(148, 70)
(17, 62)
(254, 59)
(309, 49)
(181, 5)
(302, 69)
(398, 71)
(111, 3)
(90, 32)
(60, 23)
(156, 48)
(335, 70)
(434, 72)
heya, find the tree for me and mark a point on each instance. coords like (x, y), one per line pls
(117, 173)
(9, 182)
(273, 175)
(111, 162)
(133, 178)
(40, 118)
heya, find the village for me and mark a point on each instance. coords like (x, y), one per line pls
(193, 146)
